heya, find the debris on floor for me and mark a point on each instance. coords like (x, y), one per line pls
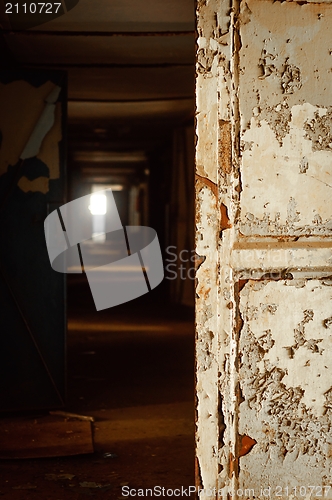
(90, 487)
(46, 436)
(110, 455)
(67, 414)
(59, 477)
(91, 484)
(25, 487)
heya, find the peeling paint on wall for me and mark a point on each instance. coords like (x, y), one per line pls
(41, 184)
(27, 104)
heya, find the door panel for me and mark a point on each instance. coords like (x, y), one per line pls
(264, 239)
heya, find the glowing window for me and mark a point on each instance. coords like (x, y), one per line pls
(98, 204)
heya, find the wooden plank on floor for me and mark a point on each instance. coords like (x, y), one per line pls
(47, 436)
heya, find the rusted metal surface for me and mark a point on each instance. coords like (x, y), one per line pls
(263, 225)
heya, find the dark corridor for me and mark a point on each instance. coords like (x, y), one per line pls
(124, 119)
(131, 369)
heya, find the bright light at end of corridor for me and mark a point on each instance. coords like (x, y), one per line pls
(98, 204)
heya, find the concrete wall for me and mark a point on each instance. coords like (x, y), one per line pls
(263, 237)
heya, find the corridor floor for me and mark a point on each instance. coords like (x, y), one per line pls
(132, 369)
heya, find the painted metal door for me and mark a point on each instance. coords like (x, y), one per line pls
(264, 228)
(32, 184)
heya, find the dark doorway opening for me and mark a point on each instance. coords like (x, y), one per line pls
(130, 126)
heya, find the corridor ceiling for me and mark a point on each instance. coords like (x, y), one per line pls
(130, 67)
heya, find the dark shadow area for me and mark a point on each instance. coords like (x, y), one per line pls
(123, 119)
(135, 354)
(131, 368)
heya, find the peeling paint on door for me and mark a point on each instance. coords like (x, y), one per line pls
(263, 226)
(285, 361)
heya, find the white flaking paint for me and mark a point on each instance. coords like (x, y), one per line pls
(206, 342)
(274, 187)
(286, 406)
(280, 309)
(263, 91)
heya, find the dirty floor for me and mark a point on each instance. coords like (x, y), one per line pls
(132, 369)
